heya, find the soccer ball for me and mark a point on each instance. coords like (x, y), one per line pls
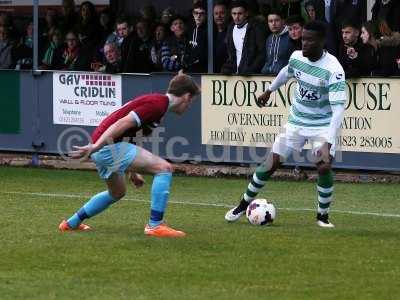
(261, 212)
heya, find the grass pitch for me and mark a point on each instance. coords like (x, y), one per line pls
(293, 259)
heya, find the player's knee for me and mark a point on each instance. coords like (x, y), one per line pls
(276, 162)
(163, 167)
(324, 168)
(117, 195)
(275, 166)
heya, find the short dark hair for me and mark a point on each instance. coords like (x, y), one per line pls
(316, 26)
(295, 19)
(182, 84)
(350, 23)
(220, 2)
(275, 11)
(239, 3)
(199, 4)
(176, 17)
(309, 3)
(121, 20)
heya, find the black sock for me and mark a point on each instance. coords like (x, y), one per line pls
(241, 207)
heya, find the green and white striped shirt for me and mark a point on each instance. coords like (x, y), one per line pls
(320, 85)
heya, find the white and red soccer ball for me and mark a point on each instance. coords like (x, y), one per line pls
(261, 212)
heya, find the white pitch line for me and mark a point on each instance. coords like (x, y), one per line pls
(77, 196)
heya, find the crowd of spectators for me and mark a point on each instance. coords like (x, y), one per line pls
(250, 37)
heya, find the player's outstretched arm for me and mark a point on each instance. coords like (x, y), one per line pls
(280, 79)
(81, 151)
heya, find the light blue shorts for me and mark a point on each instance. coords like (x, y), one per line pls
(114, 158)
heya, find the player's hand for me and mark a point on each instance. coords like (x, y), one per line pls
(136, 179)
(81, 151)
(262, 100)
(324, 152)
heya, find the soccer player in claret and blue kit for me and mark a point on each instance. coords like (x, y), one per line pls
(315, 116)
(114, 156)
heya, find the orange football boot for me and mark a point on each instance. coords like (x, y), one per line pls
(163, 230)
(65, 227)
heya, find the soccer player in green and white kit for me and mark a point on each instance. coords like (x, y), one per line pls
(315, 116)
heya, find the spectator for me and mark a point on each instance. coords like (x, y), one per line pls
(135, 49)
(295, 28)
(23, 51)
(69, 16)
(53, 51)
(353, 10)
(245, 42)
(287, 8)
(51, 22)
(148, 13)
(7, 21)
(144, 41)
(74, 57)
(106, 20)
(123, 30)
(325, 11)
(265, 9)
(88, 26)
(174, 48)
(278, 46)
(321, 10)
(253, 8)
(143, 32)
(197, 54)
(220, 30)
(368, 39)
(388, 10)
(388, 49)
(105, 24)
(368, 34)
(160, 34)
(6, 48)
(353, 54)
(311, 11)
(167, 15)
(113, 59)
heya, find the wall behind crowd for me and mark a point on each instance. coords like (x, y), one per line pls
(132, 37)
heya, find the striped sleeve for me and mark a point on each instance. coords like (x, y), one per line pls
(337, 88)
(290, 72)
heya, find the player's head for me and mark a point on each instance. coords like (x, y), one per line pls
(313, 39)
(184, 88)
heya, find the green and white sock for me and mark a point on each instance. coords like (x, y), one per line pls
(325, 190)
(257, 182)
